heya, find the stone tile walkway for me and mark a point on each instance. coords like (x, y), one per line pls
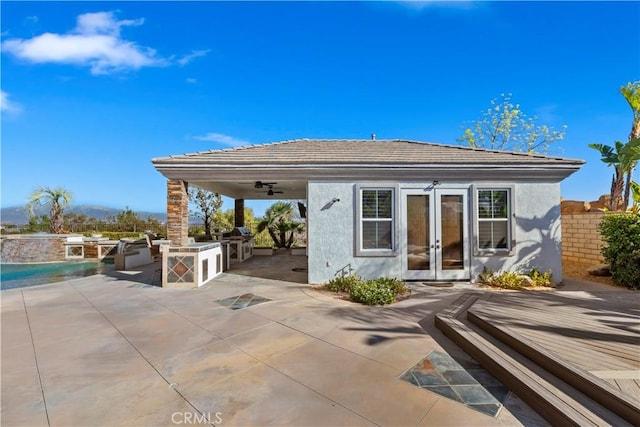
(473, 386)
(242, 301)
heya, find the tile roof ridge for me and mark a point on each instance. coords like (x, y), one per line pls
(237, 148)
(368, 140)
(495, 150)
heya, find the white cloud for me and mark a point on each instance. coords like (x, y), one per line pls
(103, 23)
(94, 42)
(7, 106)
(222, 139)
(191, 80)
(193, 55)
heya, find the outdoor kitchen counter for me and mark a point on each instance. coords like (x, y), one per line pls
(192, 265)
(195, 247)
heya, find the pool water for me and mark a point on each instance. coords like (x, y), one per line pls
(20, 275)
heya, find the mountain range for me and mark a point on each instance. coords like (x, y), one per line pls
(17, 215)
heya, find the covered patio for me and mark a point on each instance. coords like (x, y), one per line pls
(280, 266)
(380, 208)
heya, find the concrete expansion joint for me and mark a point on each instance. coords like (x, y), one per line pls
(171, 385)
(35, 358)
(265, 363)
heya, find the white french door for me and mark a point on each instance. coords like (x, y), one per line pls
(434, 236)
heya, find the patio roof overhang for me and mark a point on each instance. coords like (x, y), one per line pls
(292, 164)
(238, 183)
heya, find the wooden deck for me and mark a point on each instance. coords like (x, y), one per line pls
(598, 333)
(572, 356)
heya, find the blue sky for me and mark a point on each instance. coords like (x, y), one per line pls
(92, 91)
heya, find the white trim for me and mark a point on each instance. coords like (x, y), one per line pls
(435, 271)
(358, 250)
(511, 216)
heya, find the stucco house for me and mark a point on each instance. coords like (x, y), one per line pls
(396, 208)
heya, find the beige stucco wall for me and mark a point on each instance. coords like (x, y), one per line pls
(581, 240)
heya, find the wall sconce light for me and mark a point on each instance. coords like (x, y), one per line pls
(330, 203)
(433, 185)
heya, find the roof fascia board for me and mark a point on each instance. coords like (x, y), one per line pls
(459, 172)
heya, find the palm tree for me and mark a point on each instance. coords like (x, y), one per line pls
(58, 198)
(624, 158)
(631, 93)
(278, 221)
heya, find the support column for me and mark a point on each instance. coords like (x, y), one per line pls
(238, 213)
(177, 212)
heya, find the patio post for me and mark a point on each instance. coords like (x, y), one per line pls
(177, 212)
(238, 210)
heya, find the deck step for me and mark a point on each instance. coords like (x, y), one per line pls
(596, 388)
(557, 402)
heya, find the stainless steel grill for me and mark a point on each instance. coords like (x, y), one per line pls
(239, 232)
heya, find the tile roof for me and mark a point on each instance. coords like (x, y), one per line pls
(362, 152)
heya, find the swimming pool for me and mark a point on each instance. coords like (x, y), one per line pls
(20, 275)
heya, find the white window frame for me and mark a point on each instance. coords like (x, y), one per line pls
(359, 250)
(510, 219)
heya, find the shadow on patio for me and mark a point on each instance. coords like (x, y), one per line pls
(285, 267)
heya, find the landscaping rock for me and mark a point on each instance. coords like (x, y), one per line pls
(599, 270)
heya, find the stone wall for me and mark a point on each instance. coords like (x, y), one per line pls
(177, 212)
(91, 250)
(581, 240)
(32, 248)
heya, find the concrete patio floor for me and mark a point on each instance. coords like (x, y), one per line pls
(113, 350)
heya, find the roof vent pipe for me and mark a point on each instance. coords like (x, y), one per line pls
(373, 136)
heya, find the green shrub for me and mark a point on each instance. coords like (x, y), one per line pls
(621, 236)
(541, 279)
(486, 275)
(508, 280)
(505, 280)
(117, 235)
(397, 286)
(343, 283)
(380, 291)
(371, 293)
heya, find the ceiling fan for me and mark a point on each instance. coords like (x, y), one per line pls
(261, 184)
(271, 192)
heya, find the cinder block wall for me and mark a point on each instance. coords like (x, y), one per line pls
(581, 240)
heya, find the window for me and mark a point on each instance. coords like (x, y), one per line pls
(494, 219)
(376, 221)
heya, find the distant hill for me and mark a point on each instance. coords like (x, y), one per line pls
(18, 216)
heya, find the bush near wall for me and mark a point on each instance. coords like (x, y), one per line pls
(621, 250)
(380, 291)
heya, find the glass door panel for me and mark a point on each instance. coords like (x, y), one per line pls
(418, 233)
(435, 234)
(452, 232)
